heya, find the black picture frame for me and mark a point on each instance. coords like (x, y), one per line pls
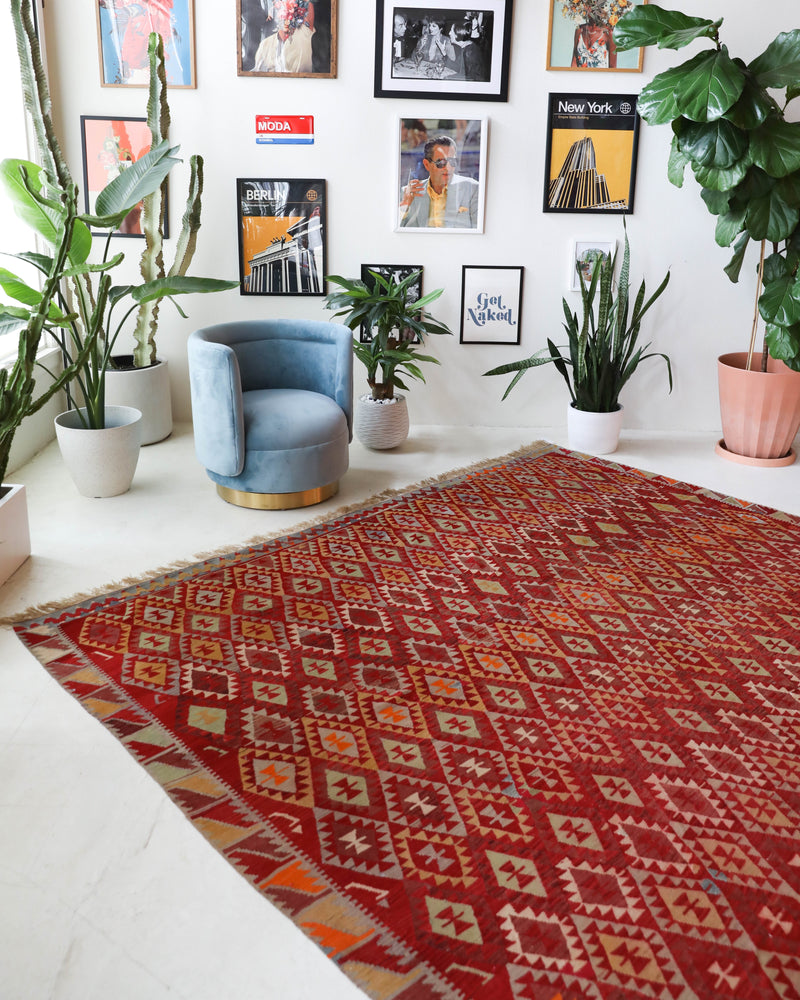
(255, 27)
(400, 272)
(109, 143)
(472, 66)
(282, 235)
(592, 150)
(491, 304)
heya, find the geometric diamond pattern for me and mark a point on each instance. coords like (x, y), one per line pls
(529, 733)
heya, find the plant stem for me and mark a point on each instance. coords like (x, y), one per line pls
(754, 329)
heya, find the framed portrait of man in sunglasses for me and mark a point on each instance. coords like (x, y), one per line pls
(441, 175)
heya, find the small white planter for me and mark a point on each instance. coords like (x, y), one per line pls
(15, 536)
(381, 423)
(101, 462)
(593, 433)
(145, 389)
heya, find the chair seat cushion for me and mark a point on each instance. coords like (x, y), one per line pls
(284, 419)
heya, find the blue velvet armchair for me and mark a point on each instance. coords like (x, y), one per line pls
(272, 407)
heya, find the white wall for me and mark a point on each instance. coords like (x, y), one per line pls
(700, 316)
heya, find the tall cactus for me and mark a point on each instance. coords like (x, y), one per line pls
(154, 213)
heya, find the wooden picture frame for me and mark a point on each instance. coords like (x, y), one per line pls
(123, 33)
(467, 60)
(466, 140)
(491, 304)
(109, 145)
(282, 236)
(592, 148)
(574, 44)
(265, 48)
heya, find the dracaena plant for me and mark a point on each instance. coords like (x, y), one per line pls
(395, 319)
(86, 312)
(603, 350)
(729, 124)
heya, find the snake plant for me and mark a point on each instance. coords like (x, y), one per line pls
(602, 350)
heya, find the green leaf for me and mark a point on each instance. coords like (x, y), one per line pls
(783, 343)
(179, 285)
(778, 66)
(753, 107)
(709, 86)
(652, 25)
(22, 181)
(729, 226)
(780, 301)
(713, 144)
(17, 289)
(721, 180)
(734, 266)
(772, 217)
(656, 104)
(137, 181)
(775, 267)
(676, 165)
(717, 202)
(12, 319)
(775, 147)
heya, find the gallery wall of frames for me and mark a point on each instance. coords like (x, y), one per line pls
(329, 129)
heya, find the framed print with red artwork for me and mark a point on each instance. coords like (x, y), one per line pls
(123, 33)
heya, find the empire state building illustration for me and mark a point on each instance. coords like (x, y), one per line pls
(578, 184)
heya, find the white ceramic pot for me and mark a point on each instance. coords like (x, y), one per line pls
(101, 462)
(381, 423)
(593, 433)
(15, 537)
(145, 389)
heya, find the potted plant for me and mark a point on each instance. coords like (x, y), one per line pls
(732, 130)
(601, 355)
(82, 317)
(393, 316)
(141, 379)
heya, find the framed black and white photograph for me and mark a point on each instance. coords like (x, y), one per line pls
(592, 145)
(582, 259)
(436, 49)
(441, 175)
(282, 236)
(286, 38)
(491, 304)
(398, 272)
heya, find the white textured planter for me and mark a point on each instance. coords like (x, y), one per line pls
(101, 462)
(15, 536)
(145, 389)
(381, 423)
(593, 433)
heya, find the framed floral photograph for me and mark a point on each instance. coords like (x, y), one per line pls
(111, 145)
(286, 38)
(491, 304)
(580, 36)
(592, 147)
(282, 236)
(399, 272)
(441, 175)
(582, 259)
(436, 49)
(123, 31)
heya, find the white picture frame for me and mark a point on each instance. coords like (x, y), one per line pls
(463, 212)
(585, 250)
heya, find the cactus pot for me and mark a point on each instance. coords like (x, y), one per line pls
(15, 538)
(145, 389)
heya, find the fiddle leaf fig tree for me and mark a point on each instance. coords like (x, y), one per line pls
(730, 128)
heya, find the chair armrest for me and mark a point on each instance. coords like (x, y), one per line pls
(217, 411)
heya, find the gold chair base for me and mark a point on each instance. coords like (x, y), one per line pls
(278, 501)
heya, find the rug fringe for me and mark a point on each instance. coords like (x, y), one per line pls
(55, 607)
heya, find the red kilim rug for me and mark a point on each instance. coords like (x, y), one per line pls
(532, 733)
